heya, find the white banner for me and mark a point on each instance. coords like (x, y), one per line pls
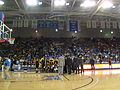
(61, 25)
(114, 24)
(102, 24)
(79, 27)
(89, 24)
(119, 25)
(107, 24)
(25, 23)
(94, 24)
(20, 23)
(34, 23)
(14, 23)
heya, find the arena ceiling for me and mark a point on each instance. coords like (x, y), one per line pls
(19, 8)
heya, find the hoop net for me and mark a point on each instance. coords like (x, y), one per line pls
(2, 40)
(10, 40)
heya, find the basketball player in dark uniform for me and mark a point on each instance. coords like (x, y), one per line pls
(110, 62)
(37, 65)
(75, 64)
(69, 64)
(92, 63)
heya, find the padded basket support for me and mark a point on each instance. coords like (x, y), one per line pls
(2, 40)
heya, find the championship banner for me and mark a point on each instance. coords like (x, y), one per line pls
(102, 24)
(108, 24)
(89, 24)
(40, 24)
(94, 24)
(55, 24)
(73, 25)
(114, 24)
(14, 23)
(47, 24)
(25, 23)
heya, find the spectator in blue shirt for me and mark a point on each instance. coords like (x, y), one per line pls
(7, 68)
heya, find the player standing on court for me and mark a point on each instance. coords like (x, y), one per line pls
(37, 65)
(92, 62)
(7, 68)
(110, 62)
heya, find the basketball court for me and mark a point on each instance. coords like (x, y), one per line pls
(102, 78)
(90, 80)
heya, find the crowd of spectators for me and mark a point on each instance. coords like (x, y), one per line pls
(28, 49)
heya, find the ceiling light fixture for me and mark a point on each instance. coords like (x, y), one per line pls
(31, 2)
(75, 31)
(111, 32)
(107, 4)
(59, 2)
(101, 31)
(88, 3)
(1, 2)
(36, 31)
(113, 6)
(39, 3)
(56, 30)
(67, 4)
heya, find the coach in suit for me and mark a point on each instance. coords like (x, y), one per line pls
(61, 63)
(75, 64)
(69, 64)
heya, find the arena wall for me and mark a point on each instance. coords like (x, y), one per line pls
(83, 33)
(87, 28)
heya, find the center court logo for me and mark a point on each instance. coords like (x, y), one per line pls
(51, 77)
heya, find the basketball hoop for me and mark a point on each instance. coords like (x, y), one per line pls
(10, 40)
(2, 40)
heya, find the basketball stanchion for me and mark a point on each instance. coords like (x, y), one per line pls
(5, 33)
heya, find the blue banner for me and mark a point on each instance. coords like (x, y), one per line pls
(73, 25)
(2, 16)
(55, 24)
(47, 24)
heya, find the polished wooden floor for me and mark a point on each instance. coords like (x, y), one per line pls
(90, 80)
